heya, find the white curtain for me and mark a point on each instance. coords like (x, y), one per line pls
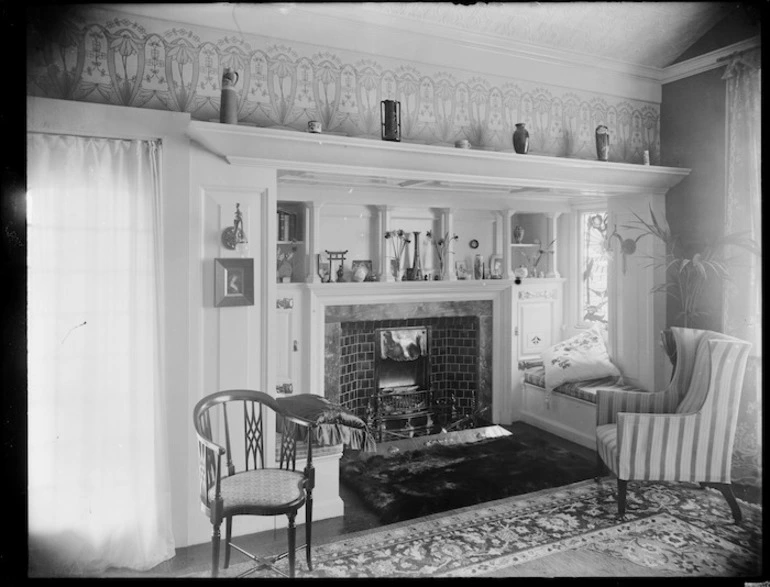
(743, 213)
(97, 462)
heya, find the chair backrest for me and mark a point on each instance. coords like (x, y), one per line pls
(717, 374)
(687, 342)
(242, 446)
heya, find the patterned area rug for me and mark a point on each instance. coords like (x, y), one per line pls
(670, 530)
(438, 478)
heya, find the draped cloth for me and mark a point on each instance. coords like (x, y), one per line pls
(98, 479)
(334, 424)
(742, 309)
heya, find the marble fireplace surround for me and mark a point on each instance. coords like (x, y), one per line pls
(331, 305)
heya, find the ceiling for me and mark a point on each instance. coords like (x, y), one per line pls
(650, 34)
(646, 34)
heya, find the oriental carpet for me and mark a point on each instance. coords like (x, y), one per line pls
(670, 530)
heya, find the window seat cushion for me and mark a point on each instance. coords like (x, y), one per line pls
(583, 390)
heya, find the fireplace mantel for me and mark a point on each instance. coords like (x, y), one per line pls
(410, 166)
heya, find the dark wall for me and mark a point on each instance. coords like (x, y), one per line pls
(693, 135)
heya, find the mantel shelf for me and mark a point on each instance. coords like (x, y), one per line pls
(305, 156)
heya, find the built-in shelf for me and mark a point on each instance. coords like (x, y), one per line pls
(413, 167)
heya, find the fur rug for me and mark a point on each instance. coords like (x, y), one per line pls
(438, 478)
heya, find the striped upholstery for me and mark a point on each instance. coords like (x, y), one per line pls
(656, 437)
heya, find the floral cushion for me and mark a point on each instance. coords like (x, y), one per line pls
(579, 358)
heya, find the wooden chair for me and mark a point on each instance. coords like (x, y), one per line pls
(257, 487)
(684, 433)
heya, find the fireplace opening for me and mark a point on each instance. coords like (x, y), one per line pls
(408, 377)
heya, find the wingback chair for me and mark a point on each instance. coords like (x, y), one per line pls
(255, 486)
(684, 433)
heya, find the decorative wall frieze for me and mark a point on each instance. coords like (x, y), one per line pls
(104, 56)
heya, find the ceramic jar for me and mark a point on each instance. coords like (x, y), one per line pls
(228, 107)
(518, 234)
(521, 139)
(602, 143)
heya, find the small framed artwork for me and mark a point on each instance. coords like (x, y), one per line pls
(324, 270)
(496, 267)
(461, 270)
(362, 270)
(233, 282)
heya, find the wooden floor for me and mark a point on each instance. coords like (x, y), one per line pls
(357, 517)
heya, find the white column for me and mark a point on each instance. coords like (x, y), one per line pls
(448, 228)
(552, 228)
(385, 249)
(312, 238)
(507, 240)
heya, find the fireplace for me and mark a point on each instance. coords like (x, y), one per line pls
(449, 379)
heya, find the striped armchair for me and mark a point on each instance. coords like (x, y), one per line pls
(684, 433)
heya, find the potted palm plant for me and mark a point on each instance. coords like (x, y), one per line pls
(687, 277)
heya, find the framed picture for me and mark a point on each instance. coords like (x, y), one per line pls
(496, 267)
(461, 270)
(362, 270)
(233, 282)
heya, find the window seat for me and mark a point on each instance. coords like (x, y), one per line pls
(569, 410)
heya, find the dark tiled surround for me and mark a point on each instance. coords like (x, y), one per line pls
(461, 349)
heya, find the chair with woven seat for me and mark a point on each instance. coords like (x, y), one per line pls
(259, 487)
(684, 433)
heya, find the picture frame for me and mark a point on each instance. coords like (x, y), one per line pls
(496, 267)
(361, 268)
(233, 282)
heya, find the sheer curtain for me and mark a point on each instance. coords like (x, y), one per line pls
(97, 462)
(743, 295)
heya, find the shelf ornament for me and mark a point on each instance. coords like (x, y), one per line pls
(441, 245)
(398, 239)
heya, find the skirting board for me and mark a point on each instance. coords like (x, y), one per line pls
(570, 418)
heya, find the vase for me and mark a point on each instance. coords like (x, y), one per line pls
(417, 263)
(228, 107)
(390, 120)
(521, 271)
(521, 139)
(478, 267)
(602, 143)
(518, 234)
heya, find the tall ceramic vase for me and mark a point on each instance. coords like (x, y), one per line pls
(521, 139)
(417, 264)
(390, 120)
(518, 234)
(602, 143)
(228, 107)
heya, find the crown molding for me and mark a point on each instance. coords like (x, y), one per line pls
(706, 62)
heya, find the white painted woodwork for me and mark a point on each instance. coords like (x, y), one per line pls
(535, 327)
(636, 315)
(343, 156)
(560, 414)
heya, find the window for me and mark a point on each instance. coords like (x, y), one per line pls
(593, 262)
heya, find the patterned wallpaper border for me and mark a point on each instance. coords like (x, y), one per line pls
(142, 63)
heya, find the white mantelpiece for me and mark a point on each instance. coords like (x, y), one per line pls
(382, 161)
(504, 294)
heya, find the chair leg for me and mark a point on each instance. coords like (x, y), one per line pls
(228, 536)
(727, 490)
(308, 529)
(292, 542)
(215, 536)
(622, 484)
